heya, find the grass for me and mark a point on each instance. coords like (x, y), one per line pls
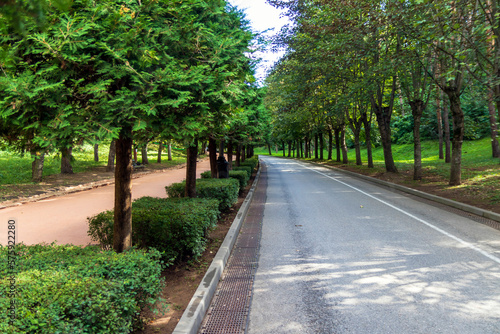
(480, 172)
(16, 169)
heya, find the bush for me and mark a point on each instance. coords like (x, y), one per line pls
(224, 190)
(206, 175)
(248, 169)
(70, 289)
(241, 176)
(252, 162)
(175, 227)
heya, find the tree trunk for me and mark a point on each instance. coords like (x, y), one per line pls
(238, 155)
(446, 124)
(316, 140)
(384, 124)
(495, 148)
(440, 124)
(417, 109)
(337, 144)
(144, 153)
(230, 154)
(458, 135)
(192, 156)
(321, 146)
(122, 229)
(368, 130)
(330, 144)
(135, 153)
(269, 149)
(66, 155)
(37, 166)
(345, 159)
(160, 148)
(357, 147)
(212, 154)
(111, 156)
(221, 148)
(284, 150)
(96, 152)
(289, 149)
(243, 153)
(306, 147)
(169, 151)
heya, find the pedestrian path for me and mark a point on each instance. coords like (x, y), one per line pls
(63, 219)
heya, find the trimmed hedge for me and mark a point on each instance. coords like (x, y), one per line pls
(252, 162)
(206, 175)
(248, 169)
(71, 289)
(241, 176)
(224, 190)
(177, 227)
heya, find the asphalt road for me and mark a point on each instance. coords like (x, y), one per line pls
(339, 255)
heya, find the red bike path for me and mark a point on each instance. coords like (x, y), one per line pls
(63, 219)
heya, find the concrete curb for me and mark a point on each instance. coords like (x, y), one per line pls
(192, 317)
(454, 204)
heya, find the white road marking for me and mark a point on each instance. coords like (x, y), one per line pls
(463, 242)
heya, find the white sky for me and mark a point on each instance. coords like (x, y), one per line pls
(262, 16)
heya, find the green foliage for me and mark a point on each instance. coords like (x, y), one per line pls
(225, 191)
(176, 227)
(252, 162)
(247, 169)
(70, 289)
(241, 176)
(206, 175)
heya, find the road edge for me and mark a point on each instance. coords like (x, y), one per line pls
(449, 202)
(192, 317)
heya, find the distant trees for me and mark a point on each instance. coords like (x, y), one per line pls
(349, 59)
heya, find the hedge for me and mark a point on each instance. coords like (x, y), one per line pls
(177, 227)
(224, 190)
(241, 176)
(252, 162)
(248, 169)
(206, 175)
(72, 289)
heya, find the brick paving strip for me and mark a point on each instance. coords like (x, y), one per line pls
(228, 311)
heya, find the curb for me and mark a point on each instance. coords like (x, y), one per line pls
(449, 202)
(192, 317)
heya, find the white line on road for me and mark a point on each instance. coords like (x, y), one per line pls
(463, 242)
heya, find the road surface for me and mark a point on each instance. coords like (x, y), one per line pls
(339, 255)
(64, 219)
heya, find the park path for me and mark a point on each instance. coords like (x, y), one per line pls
(63, 219)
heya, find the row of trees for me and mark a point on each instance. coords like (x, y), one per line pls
(125, 70)
(350, 62)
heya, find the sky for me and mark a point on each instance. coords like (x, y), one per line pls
(262, 17)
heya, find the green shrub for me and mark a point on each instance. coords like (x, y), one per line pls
(224, 190)
(248, 169)
(252, 162)
(70, 289)
(241, 176)
(175, 227)
(206, 175)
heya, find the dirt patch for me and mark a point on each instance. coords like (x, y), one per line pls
(183, 279)
(481, 193)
